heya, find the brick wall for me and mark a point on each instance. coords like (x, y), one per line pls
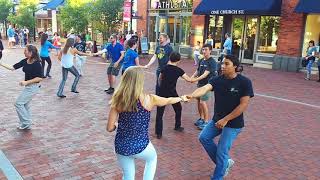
(142, 12)
(197, 24)
(291, 30)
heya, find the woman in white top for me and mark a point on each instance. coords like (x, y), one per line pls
(196, 53)
(66, 56)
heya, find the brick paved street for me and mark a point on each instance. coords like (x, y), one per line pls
(69, 140)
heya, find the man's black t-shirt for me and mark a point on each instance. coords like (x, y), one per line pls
(81, 46)
(170, 76)
(31, 70)
(227, 93)
(206, 65)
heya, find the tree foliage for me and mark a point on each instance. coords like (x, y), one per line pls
(25, 14)
(5, 8)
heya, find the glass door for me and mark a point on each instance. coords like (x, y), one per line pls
(244, 30)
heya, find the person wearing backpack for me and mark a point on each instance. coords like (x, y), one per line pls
(207, 68)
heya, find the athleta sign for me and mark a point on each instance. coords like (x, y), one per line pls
(218, 12)
(169, 4)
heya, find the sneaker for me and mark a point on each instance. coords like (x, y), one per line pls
(230, 164)
(49, 76)
(106, 90)
(201, 126)
(307, 79)
(199, 122)
(24, 127)
(179, 129)
(110, 91)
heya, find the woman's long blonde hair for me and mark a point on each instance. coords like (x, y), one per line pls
(127, 94)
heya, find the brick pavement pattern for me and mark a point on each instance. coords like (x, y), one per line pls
(69, 140)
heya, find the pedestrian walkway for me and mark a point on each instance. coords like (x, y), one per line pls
(69, 138)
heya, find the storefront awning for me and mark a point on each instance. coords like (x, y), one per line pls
(239, 7)
(308, 6)
(53, 4)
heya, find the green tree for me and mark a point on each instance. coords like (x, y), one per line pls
(74, 15)
(25, 14)
(106, 15)
(5, 8)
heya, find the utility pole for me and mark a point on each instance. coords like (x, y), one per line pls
(131, 15)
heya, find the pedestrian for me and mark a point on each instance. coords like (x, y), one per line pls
(80, 60)
(31, 66)
(162, 54)
(116, 51)
(227, 45)
(210, 40)
(66, 57)
(207, 68)
(232, 93)
(1, 49)
(310, 58)
(11, 39)
(196, 53)
(130, 116)
(45, 54)
(131, 57)
(168, 78)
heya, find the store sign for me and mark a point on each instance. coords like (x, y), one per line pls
(170, 4)
(222, 12)
(126, 11)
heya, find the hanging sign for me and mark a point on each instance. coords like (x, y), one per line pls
(170, 4)
(127, 11)
(229, 11)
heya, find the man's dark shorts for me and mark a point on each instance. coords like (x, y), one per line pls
(113, 70)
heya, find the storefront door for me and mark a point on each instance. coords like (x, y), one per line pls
(244, 35)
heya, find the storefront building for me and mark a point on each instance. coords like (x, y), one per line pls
(265, 33)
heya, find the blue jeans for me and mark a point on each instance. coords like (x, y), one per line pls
(309, 66)
(23, 103)
(219, 153)
(128, 166)
(74, 71)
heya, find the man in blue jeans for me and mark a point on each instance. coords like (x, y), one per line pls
(232, 93)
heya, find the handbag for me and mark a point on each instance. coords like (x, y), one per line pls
(304, 62)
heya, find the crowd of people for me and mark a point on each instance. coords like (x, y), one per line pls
(130, 106)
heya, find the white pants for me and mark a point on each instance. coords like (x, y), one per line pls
(127, 163)
(80, 60)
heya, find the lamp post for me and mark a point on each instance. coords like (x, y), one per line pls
(131, 15)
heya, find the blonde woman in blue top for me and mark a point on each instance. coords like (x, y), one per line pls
(45, 54)
(130, 115)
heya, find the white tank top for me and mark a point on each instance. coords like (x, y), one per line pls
(67, 59)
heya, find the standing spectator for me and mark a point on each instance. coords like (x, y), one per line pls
(121, 39)
(210, 40)
(31, 66)
(232, 93)
(207, 68)
(116, 51)
(45, 54)
(130, 116)
(56, 42)
(196, 53)
(26, 35)
(16, 36)
(227, 46)
(11, 39)
(162, 55)
(50, 35)
(311, 52)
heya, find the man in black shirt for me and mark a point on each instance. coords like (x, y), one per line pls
(80, 60)
(232, 93)
(207, 68)
(168, 80)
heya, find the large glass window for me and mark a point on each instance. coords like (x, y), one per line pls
(215, 29)
(312, 32)
(152, 29)
(268, 35)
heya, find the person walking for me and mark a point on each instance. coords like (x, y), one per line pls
(66, 56)
(31, 66)
(45, 54)
(130, 116)
(207, 69)
(162, 55)
(116, 51)
(310, 58)
(232, 93)
(168, 78)
(131, 57)
(227, 45)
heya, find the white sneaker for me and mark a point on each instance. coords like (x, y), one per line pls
(230, 164)
(24, 127)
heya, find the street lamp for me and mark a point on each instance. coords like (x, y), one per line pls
(131, 15)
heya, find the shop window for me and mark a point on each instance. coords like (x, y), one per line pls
(152, 29)
(312, 32)
(186, 26)
(268, 35)
(215, 29)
